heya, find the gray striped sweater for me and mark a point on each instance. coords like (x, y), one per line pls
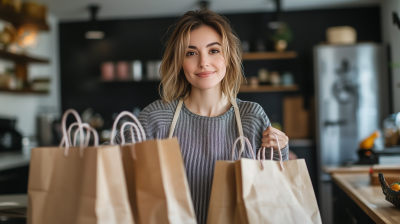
(204, 140)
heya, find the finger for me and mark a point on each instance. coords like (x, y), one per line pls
(281, 135)
(271, 142)
(271, 129)
(267, 142)
(272, 137)
(267, 131)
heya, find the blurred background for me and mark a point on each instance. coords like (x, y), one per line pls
(327, 73)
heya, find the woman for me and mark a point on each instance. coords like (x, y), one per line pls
(200, 78)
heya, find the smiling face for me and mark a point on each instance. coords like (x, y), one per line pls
(204, 64)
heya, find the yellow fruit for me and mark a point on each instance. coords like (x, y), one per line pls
(395, 187)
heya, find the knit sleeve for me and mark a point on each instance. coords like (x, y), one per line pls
(284, 151)
(255, 121)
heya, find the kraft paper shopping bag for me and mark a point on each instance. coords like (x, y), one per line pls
(275, 192)
(162, 189)
(154, 172)
(82, 185)
(223, 192)
(128, 156)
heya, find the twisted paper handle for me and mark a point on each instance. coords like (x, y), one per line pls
(248, 145)
(90, 129)
(132, 135)
(65, 139)
(262, 150)
(86, 143)
(126, 113)
(133, 152)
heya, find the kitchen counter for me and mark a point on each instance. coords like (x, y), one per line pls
(13, 200)
(346, 169)
(13, 208)
(369, 198)
(10, 160)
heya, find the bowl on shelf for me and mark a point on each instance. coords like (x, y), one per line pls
(392, 196)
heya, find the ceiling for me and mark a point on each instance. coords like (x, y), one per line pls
(76, 10)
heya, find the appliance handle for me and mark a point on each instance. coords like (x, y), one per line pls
(334, 123)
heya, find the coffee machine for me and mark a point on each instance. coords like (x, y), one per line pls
(10, 139)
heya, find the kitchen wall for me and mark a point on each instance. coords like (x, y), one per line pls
(391, 37)
(143, 39)
(24, 107)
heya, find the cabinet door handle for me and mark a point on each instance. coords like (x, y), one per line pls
(351, 216)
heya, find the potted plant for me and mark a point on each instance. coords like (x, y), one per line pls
(282, 36)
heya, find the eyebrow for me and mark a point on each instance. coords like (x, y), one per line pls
(208, 45)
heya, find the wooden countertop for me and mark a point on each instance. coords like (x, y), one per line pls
(346, 169)
(370, 198)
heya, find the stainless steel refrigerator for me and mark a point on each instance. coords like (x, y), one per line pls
(351, 103)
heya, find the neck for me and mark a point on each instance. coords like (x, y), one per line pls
(210, 102)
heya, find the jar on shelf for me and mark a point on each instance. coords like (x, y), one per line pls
(275, 78)
(287, 79)
(391, 127)
(262, 75)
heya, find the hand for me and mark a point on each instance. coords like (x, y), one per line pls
(269, 139)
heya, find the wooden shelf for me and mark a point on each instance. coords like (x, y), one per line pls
(127, 81)
(8, 14)
(267, 88)
(269, 55)
(23, 91)
(21, 58)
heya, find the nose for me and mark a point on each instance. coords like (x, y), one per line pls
(204, 60)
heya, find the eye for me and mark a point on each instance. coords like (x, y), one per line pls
(214, 51)
(190, 53)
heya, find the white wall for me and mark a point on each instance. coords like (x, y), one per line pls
(391, 36)
(24, 107)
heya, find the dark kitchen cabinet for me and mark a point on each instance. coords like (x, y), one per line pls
(14, 181)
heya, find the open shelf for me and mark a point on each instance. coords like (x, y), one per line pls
(127, 81)
(8, 14)
(23, 91)
(269, 55)
(21, 57)
(267, 88)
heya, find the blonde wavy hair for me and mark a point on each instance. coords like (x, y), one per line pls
(173, 81)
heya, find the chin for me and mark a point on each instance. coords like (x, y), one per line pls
(206, 85)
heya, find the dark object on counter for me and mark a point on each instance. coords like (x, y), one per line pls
(48, 129)
(367, 157)
(392, 196)
(10, 139)
(389, 152)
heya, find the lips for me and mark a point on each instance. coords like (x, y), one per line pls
(204, 74)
